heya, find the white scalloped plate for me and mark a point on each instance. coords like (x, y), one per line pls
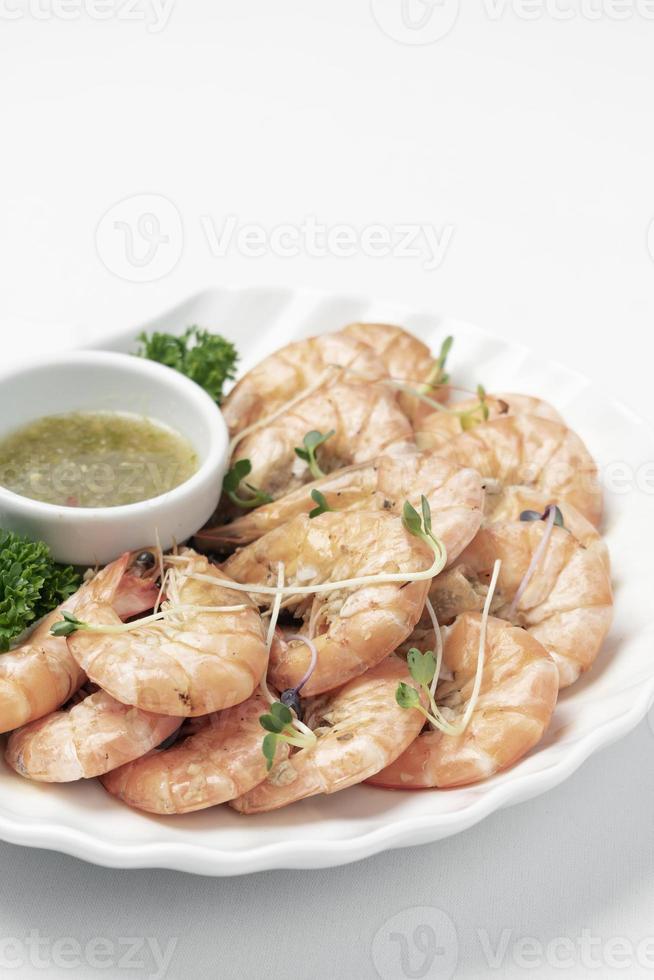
(80, 819)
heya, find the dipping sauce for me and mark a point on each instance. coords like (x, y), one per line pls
(95, 459)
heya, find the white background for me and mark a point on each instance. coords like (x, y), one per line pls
(532, 140)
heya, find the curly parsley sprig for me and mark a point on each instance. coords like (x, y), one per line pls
(31, 584)
(204, 357)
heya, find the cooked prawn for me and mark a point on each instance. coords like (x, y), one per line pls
(360, 729)
(277, 379)
(353, 628)
(516, 700)
(92, 737)
(533, 452)
(366, 421)
(41, 674)
(220, 760)
(455, 496)
(403, 355)
(511, 502)
(567, 604)
(406, 359)
(437, 428)
(195, 662)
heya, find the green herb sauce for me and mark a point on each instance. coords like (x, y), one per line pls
(95, 459)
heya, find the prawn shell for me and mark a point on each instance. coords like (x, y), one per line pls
(512, 501)
(567, 605)
(38, 676)
(281, 376)
(220, 761)
(434, 430)
(516, 701)
(41, 674)
(92, 737)
(533, 452)
(454, 493)
(361, 729)
(405, 357)
(366, 421)
(364, 624)
(208, 662)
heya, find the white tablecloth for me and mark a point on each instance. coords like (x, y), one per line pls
(519, 152)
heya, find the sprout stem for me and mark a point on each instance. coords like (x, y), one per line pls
(314, 657)
(534, 563)
(286, 407)
(117, 628)
(472, 703)
(434, 569)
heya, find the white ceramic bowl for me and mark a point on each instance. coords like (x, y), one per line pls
(105, 381)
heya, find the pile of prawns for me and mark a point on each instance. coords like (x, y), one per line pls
(394, 588)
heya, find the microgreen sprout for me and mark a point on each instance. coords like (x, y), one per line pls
(551, 516)
(533, 515)
(422, 667)
(312, 441)
(438, 375)
(71, 624)
(278, 723)
(323, 507)
(468, 418)
(425, 668)
(66, 626)
(420, 526)
(232, 481)
(291, 697)
(478, 413)
(413, 524)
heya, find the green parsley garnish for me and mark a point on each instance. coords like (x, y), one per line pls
(31, 584)
(204, 357)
